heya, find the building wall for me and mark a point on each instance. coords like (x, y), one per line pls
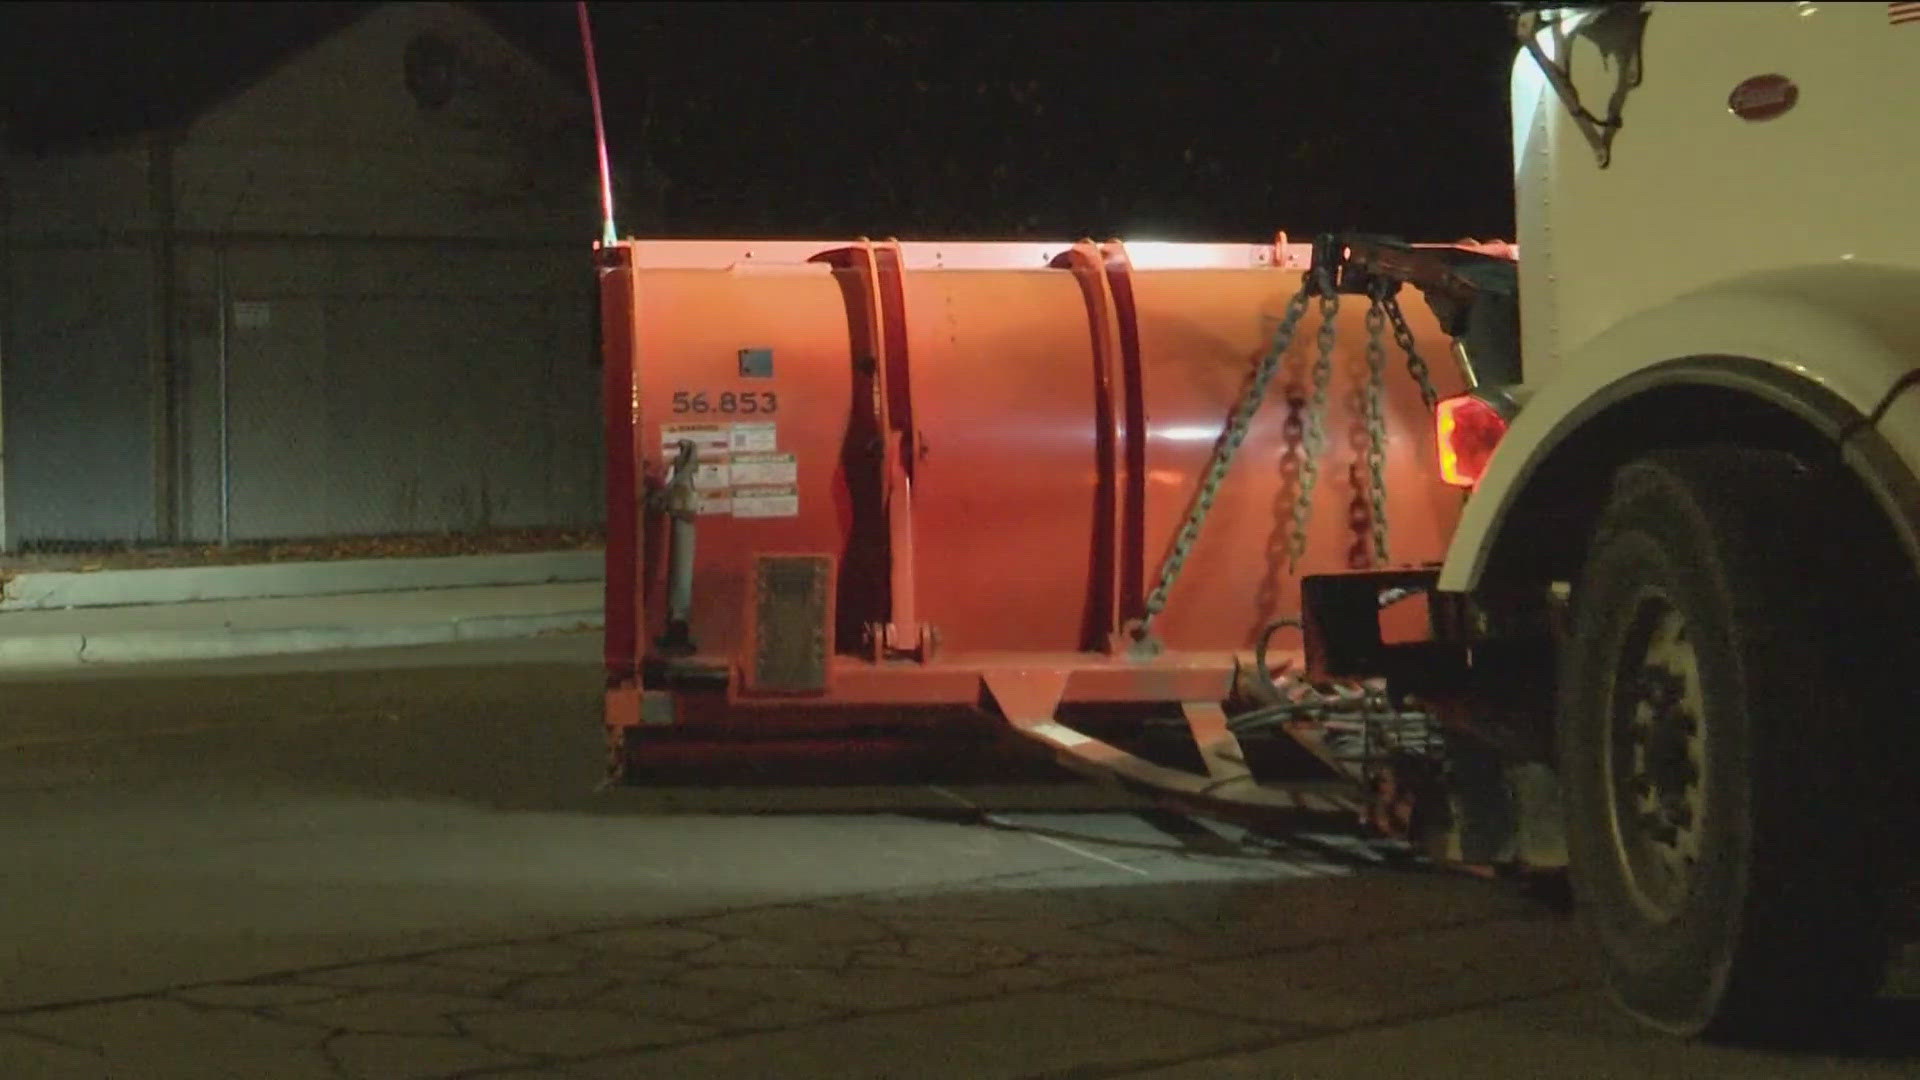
(407, 322)
(78, 416)
(335, 143)
(76, 291)
(379, 387)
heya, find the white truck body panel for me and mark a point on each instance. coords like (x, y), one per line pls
(1793, 240)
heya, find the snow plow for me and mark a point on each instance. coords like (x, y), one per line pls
(868, 486)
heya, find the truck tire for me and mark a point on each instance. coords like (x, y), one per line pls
(1715, 802)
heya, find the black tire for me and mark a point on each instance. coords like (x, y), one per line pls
(1721, 860)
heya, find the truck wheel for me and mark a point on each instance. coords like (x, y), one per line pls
(1715, 811)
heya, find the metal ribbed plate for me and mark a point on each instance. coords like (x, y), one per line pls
(791, 599)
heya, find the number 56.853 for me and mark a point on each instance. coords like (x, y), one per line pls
(744, 402)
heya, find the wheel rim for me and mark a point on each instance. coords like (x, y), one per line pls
(1656, 758)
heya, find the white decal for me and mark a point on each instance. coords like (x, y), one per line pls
(712, 475)
(750, 469)
(703, 436)
(739, 473)
(754, 438)
(766, 502)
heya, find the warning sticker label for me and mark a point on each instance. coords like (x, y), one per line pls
(759, 437)
(740, 471)
(753, 469)
(712, 474)
(766, 502)
(703, 436)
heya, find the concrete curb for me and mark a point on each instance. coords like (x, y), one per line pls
(70, 650)
(116, 588)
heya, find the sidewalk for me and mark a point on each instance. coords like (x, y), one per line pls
(63, 620)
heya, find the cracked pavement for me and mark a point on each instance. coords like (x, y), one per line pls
(917, 982)
(347, 869)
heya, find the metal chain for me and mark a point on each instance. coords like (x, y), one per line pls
(1359, 510)
(1376, 415)
(1316, 435)
(1314, 441)
(1359, 435)
(1417, 367)
(1239, 422)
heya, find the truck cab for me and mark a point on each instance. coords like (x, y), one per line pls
(1705, 491)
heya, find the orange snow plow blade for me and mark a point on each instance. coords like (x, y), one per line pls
(918, 484)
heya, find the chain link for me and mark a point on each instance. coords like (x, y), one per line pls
(1376, 415)
(1359, 509)
(1417, 367)
(1238, 424)
(1316, 435)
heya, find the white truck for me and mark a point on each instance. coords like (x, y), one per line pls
(1702, 498)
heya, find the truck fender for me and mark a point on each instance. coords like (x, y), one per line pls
(1827, 344)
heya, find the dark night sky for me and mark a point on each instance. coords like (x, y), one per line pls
(1202, 121)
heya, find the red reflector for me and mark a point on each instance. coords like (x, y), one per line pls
(1468, 428)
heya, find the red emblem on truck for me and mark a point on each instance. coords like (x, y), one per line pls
(1763, 97)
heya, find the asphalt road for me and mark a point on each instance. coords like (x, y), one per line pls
(396, 865)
